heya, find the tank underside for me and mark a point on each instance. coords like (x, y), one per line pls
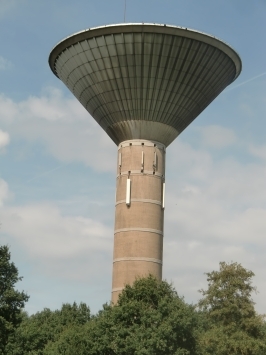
(144, 81)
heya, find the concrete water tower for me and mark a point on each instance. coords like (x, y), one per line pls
(144, 84)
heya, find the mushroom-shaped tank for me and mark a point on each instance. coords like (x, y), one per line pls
(144, 81)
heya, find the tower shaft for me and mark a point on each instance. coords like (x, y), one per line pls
(139, 215)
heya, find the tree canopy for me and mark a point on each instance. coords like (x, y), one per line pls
(234, 326)
(11, 300)
(149, 318)
(39, 330)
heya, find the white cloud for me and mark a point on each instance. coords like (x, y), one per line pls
(258, 151)
(182, 159)
(4, 139)
(68, 132)
(4, 63)
(3, 192)
(227, 202)
(186, 266)
(55, 240)
(46, 233)
(8, 5)
(215, 136)
(215, 211)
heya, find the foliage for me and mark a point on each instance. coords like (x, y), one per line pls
(44, 327)
(234, 327)
(149, 318)
(11, 300)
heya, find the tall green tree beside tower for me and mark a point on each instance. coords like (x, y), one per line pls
(234, 326)
(11, 301)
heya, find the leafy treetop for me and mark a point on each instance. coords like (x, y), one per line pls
(11, 301)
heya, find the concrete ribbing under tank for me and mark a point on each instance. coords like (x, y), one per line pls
(139, 217)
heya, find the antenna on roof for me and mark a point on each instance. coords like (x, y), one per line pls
(125, 9)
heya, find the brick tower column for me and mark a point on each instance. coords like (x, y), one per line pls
(139, 216)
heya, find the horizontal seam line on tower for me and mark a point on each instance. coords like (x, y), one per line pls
(138, 230)
(155, 202)
(151, 260)
(117, 289)
(139, 172)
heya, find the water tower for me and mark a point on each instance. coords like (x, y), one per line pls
(143, 84)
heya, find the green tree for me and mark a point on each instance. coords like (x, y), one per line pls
(42, 328)
(234, 326)
(11, 301)
(149, 318)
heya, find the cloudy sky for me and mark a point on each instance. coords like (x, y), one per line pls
(57, 167)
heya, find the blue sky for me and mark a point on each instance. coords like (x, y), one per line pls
(57, 167)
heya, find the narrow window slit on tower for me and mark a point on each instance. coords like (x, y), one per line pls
(142, 161)
(120, 160)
